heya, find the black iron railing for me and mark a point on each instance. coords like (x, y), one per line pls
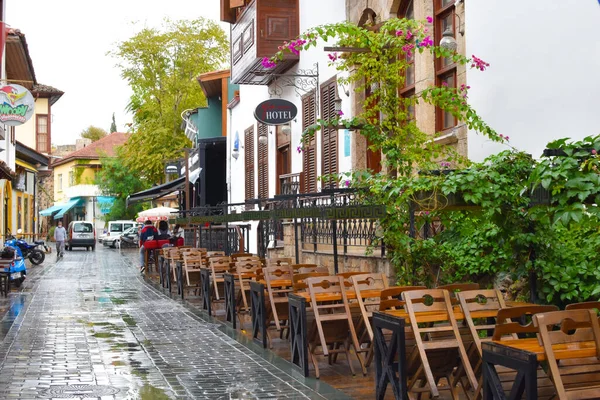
(289, 184)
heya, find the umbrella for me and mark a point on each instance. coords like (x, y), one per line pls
(156, 214)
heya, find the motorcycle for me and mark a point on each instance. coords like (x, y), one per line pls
(30, 251)
(17, 267)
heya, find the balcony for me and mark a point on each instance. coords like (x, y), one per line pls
(289, 184)
(260, 28)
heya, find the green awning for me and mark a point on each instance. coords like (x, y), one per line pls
(66, 207)
(48, 211)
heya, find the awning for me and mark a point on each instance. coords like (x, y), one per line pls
(48, 211)
(156, 192)
(66, 207)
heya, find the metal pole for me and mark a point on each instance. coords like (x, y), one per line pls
(187, 179)
(296, 232)
(335, 249)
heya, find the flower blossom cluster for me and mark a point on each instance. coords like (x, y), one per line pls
(504, 137)
(429, 19)
(299, 149)
(445, 164)
(332, 56)
(479, 64)
(426, 42)
(268, 64)
(463, 89)
(295, 46)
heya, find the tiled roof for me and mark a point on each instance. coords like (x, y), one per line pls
(105, 147)
(47, 91)
(6, 172)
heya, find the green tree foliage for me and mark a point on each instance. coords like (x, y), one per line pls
(161, 67)
(113, 124)
(116, 179)
(94, 133)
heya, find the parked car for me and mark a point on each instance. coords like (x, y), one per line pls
(116, 228)
(81, 234)
(112, 240)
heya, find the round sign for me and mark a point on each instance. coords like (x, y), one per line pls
(275, 112)
(16, 105)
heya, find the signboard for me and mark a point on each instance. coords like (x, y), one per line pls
(172, 168)
(193, 165)
(16, 105)
(275, 112)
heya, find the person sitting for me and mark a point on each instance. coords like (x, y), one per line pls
(149, 232)
(163, 230)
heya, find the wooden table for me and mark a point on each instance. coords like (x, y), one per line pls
(298, 324)
(388, 371)
(523, 355)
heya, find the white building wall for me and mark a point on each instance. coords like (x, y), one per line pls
(543, 82)
(242, 116)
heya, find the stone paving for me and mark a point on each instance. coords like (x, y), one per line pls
(90, 327)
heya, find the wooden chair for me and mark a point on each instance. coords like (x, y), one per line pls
(308, 270)
(217, 270)
(192, 263)
(276, 262)
(278, 293)
(298, 280)
(391, 298)
(512, 321)
(367, 288)
(333, 324)
(236, 256)
(215, 254)
(572, 380)
(454, 288)
(309, 267)
(247, 271)
(432, 359)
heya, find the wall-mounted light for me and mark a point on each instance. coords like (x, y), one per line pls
(338, 104)
(448, 41)
(263, 139)
(286, 129)
(235, 154)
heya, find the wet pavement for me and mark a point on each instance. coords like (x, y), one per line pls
(90, 327)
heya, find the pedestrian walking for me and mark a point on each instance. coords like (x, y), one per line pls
(60, 235)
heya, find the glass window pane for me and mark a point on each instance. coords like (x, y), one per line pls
(410, 11)
(410, 75)
(447, 24)
(447, 2)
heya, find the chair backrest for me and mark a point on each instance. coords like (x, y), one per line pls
(307, 270)
(454, 288)
(437, 306)
(193, 262)
(369, 281)
(220, 266)
(297, 267)
(367, 288)
(215, 254)
(477, 304)
(234, 257)
(587, 330)
(507, 324)
(272, 262)
(299, 280)
(391, 298)
(587, 305)
(281, 272)
(248, 270)
(221, 260)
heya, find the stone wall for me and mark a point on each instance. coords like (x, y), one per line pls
(45, 199)
(356, 260)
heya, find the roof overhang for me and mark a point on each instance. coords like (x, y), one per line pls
(210, 82)
(19, 66)
(156, 192)
(30, 156)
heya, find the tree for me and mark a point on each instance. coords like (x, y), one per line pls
(113, 125)
(161, 66)
(94, 133)
(115, 179)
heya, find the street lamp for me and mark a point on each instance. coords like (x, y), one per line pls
(338, 104)
(263, 139)
(448, 42)
(286, 129)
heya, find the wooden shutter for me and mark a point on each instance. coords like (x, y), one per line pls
(249, 161)
(263, 163)
(329, 136)
(309, 156)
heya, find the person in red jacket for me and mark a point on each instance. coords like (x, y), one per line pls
(149, 232)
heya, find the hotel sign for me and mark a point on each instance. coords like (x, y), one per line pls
(16, 105)
(275, 112)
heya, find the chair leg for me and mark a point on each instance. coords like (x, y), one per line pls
(347, 348)
(313, 358)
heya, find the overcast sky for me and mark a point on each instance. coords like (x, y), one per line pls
(68, 41)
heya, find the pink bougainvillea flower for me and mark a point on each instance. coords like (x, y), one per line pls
(444, 84)
(332, 56)
(429, 19)
(340, 113)
(399, 33)
(426, 42)
(409, 35)
(347, 183)
(478, 63)
(299, 149)
(594, 151)
(267, 63)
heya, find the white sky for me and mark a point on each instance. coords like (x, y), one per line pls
(68, 41)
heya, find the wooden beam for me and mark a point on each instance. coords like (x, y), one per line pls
(347, 49)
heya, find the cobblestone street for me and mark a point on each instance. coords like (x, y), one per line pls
(90, 327)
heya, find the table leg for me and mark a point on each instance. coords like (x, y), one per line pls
(524, 362)
(168, 275)
(205, 283)
(259, 314)
(180, 284)
(230, 299)
(390, 357)
(161, 279)
(156, 255)
(146, 260)
(298, 337)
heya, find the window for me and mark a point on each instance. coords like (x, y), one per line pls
(284, 161)
(83, 228)
(263, 163)
(26, 214)
(309, 155)
(41, 130)
(329, 135)
(71, 179)
(19, 213)
(59, 184)
(445, 68)
(249, 162)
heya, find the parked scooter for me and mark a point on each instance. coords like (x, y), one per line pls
(30, 251)
(17, 267)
